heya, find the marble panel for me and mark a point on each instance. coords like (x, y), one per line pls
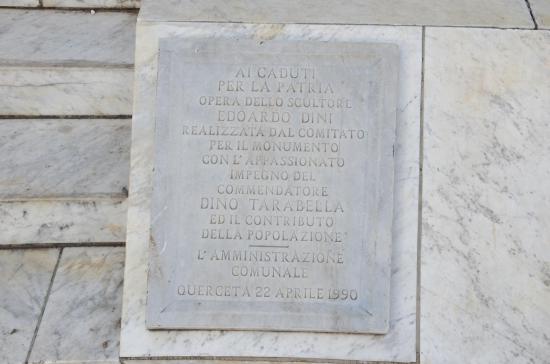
(541, 11)
(485, 273)
(36, 222)
(333, 106)
(22, 3)
(126, 4)
(81, 322)
(44, 91)
(49, 158)
(26, 276)
(489, 13)
(57, 37)
(399, 344)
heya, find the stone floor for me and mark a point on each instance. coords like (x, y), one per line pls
(484, 242)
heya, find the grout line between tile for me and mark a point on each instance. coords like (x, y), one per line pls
(532, 14)
(38, 117)
(420, 185)
(51, 245)
(99, 9)
(44, 306)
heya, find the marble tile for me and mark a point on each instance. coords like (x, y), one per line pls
(62, 221)
(81, 321)
(66, 37)
(49, 158)
(26, 3)
(127, 4)
(485, 274)
(26, 276)
(399, 343)
(488, 13)
(37, 91)
(541, 11)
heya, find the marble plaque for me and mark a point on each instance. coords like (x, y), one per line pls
(272, 199)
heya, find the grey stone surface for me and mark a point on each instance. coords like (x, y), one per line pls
(47, 91)
(25, 278)
(22, 3)
(273, 186)
(81, 322)
(541, 11)
(66, 37)
(62, 158)
(62, 221)
(118, 4)
(490, 13)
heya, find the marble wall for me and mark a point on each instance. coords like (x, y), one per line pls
(480, 125)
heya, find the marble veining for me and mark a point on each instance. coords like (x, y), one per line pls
(66, 37)
(81, 322)
(65, 91)
(62, 221)
(83, 157)
(493, 13)
(26, 275)
(485, 274)
(399, 343)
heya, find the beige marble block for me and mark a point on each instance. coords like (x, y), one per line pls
(69, 221)
(61, 158)
(26, 276)
(485, 273)
(81, 322)
(47, 91)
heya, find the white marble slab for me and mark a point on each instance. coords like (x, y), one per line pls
(22, 3)
(399, 343)
(81, 322)
(53, 157)
(485, 274)
(37, 91)
(26, 276)
(95, 4)
(36, 222)
(488, 13)
(332, 294)
(66, 37)
(541, 11)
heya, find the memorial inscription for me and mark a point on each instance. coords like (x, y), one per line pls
(273, 186)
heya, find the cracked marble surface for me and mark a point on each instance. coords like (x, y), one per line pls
(485, 273)
(541, 11)
(26, 275)
(81, 322)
